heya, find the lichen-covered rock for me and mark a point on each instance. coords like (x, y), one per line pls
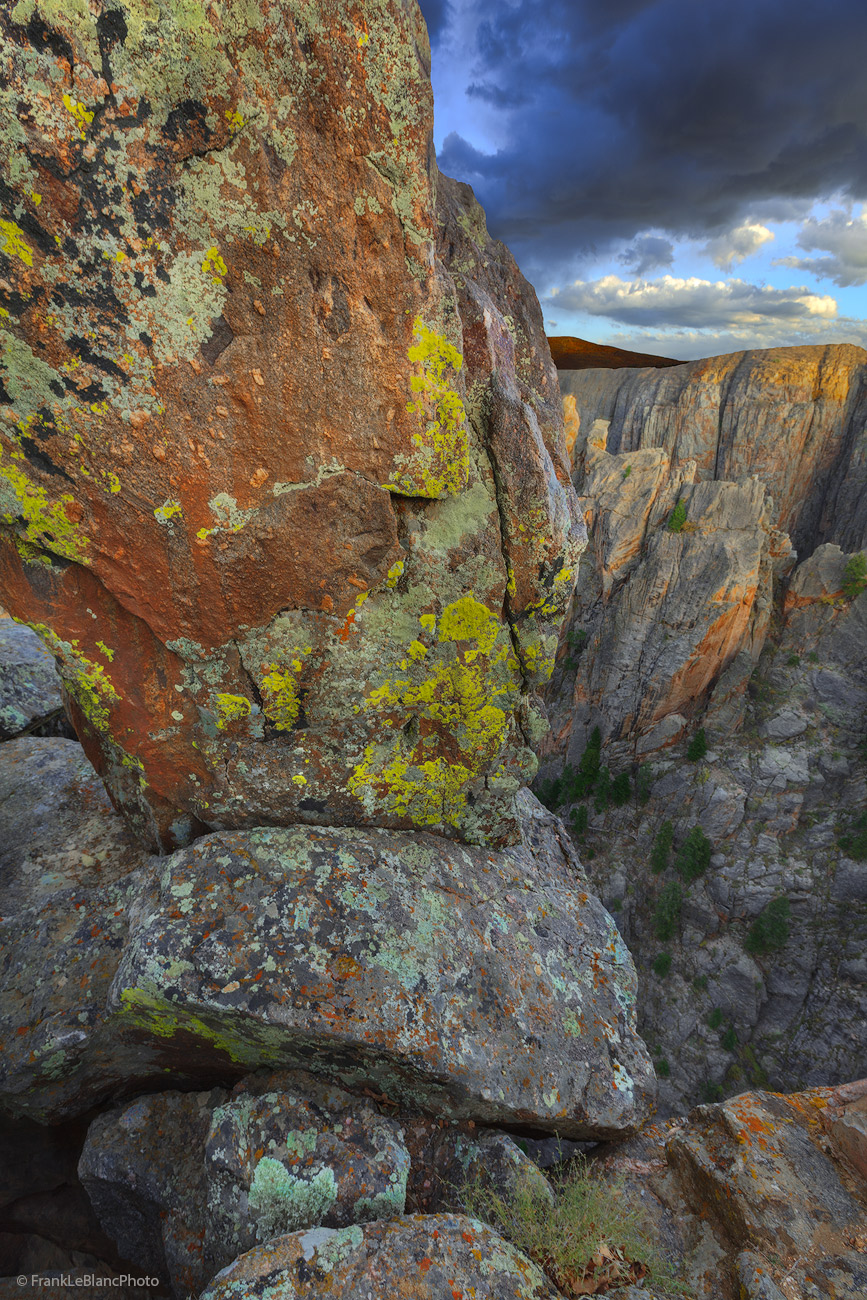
(471, 983)
(29, 685)
(757, 1164)
(749, 1200)
(69, 873)
(456, 1160)
(296, 561)
(185, 1182)
(424, 1256)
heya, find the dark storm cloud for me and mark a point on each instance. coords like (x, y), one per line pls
(686, 116)
(435, 15)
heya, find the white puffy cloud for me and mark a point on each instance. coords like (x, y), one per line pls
(673, 303)
(737, 244)
(843, 238)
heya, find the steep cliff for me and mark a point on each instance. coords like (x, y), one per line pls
(722, 659)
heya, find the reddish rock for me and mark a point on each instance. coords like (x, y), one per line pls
(271, 526)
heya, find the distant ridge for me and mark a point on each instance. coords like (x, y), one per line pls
(577, 354)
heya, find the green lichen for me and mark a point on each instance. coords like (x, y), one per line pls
(284, 1202)
(440, 464)
(13, 242)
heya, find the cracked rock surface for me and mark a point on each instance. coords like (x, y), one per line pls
(284, 490)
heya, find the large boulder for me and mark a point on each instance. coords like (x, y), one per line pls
(425, 1256)
(478, 984)
(185, 1182)
(296, 559)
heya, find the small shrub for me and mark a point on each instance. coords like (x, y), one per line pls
(854, 842)
(550, 792)
(729, 1040)
(855, 576)
(593, 1238)
(576, 639)
(663, 1069)
(694, 856)
(697, 746)
(643, 782)
(620, 789)
(813, 657)
(668, 909)
(715, 1018)
(677, 518)
(615, 904)
(770, 930)
(711, 1092)
(627, 471)
(582, 781)
(793, 660)
(662, 964)
(661, 848)
(580, 819)
(699, 984)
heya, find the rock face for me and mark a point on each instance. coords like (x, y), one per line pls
(283, 484)
(29, 686)
(476, 984)
(719, 620)
(423, 1256)
(792, 417)
(754, 1196)
(280, 1153)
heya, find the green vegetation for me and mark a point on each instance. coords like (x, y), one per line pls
(677, 518)
(661, 848)
(854, 842)
(668, 909)
(699, 984)
(580, 818)
(793, 660)
(603, 790)
(715, 1018)
(662, 964)
(711, 1092)
(729, 1039)
(769, 932)
(615, 905)
(643, 782)
(576, 639)
(694, 856)
(813, 657)
(855, 576)
(594, 1237)
(697, 746)
(663, 1069)
(620, 789)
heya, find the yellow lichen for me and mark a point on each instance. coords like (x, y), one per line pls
(46, 522)
(280, 700)
(83, 116)
(14, 243)
(87, 682)
(440, 464)
(168, 510)
(231, 708)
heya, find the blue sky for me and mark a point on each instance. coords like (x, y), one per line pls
(675, 176)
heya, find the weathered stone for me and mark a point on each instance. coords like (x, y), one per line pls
(792, 417)
(185, 1182)
(29, 685)
(270, 524)
(755, 1279)
(757, 1165)
(425, 1256)
(478, 984)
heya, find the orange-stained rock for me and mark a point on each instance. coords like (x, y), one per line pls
(295, 559)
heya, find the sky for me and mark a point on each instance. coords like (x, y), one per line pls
(683, 177)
